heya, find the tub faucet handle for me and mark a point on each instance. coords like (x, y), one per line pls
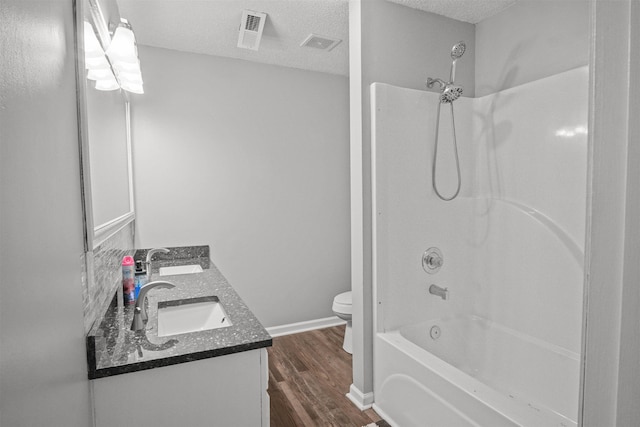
(432, 260)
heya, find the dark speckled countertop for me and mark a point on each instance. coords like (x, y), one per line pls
(113, 348)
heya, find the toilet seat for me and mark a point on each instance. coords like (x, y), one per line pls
(342, 303)
(342, 308)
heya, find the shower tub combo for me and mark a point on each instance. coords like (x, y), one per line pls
(477, 373)
(486, 332)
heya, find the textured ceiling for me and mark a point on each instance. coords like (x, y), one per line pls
(472, 11)
(211, 26)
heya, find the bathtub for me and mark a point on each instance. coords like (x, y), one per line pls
(468, 371)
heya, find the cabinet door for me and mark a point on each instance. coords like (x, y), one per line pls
(221, 391)
(264, 386)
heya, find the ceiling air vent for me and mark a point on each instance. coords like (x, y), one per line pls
(320, 42)
(251, 27)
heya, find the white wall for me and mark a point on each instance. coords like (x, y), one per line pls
(252, 160)
(43, 372)
(528, 41)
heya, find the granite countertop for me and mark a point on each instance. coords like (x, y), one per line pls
(113, 348)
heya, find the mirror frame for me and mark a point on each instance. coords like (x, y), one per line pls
(96, 234)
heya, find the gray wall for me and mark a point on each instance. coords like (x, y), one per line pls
(404, 46)
(399, 46)
(43, 371)
(530, 40)
(252, 160)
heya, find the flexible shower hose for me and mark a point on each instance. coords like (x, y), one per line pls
(435, 156)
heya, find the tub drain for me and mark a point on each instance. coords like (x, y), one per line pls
(434, 332)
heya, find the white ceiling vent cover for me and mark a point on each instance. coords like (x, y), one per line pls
(251, 27)
(320, 42)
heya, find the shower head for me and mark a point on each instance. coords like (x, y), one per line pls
(458, 50)
(450, 93)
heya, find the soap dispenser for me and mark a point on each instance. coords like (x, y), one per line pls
(141, 277)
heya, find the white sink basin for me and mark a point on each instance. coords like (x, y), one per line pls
(184, 316)
(180, 269)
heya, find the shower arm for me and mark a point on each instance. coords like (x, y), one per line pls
(452, 76)
(432, 81)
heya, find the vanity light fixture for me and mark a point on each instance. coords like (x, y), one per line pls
(123, 55)
(95, 61)
(119, 66)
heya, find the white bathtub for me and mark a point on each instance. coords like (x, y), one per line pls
(476, 373)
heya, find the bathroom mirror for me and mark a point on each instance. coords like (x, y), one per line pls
(105, 138)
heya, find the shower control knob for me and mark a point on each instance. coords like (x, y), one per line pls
(432, 260)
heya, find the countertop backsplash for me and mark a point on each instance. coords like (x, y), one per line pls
(102, 273)
(175, 253)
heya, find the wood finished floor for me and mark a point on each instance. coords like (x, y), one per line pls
(309, 375)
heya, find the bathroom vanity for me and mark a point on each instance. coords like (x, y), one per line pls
(206, 377)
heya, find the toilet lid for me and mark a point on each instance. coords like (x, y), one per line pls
(343, 298)
(342, 303)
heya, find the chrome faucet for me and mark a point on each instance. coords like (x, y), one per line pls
(150, 253)
(139, 312)
(437, 290)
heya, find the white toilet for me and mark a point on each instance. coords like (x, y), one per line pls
(342, 309)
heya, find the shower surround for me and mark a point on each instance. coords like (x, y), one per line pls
(504, 347)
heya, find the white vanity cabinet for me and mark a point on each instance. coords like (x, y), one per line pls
(222, 391)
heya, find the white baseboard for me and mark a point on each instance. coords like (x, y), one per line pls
(361, 400)
(309, 325)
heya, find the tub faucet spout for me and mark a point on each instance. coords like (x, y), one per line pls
(438, 291)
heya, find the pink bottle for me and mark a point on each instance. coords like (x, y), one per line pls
(128, 280)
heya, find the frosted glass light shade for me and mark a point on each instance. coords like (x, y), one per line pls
(92, 47)
(135, 78)
(99, 63)
(123, 55)
(105, 74)
(123, 46)
(107, 84)
(126, 67)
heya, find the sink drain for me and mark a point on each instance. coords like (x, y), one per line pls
(434, 332)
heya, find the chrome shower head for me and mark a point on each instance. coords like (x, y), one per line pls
(456, 53)
(458, 50)
(450, 93)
